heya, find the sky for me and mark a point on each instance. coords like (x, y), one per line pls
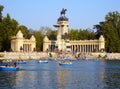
(82, 14)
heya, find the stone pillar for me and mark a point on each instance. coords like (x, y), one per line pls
(101, 43)
(80, 48)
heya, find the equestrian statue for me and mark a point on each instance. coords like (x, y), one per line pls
(63, 12)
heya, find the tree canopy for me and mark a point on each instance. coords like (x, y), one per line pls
(82, 34)
(110, 28)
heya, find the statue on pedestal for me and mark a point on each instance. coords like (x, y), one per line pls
(62, 15)
(63, 11)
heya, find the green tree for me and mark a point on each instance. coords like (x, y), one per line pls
(1, 9)
(111, 31)
(98, 28)
(25, 31)
(39, 40)
(73, 34)
(52, 34)
(81, 34)
(44, 29)
(9, 27)
(1, 26)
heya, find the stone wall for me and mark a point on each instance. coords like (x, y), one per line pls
(23, 55)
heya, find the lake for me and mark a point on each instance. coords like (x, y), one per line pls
(83, 74)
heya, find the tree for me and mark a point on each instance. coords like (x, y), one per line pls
(25, 31)
(111, 31)
(1, 9)
(8, 28)
(82, 34)
(73, 34)
(98, 28)
(1, 26)
(44, 30)
(39, 40)
(52, 34)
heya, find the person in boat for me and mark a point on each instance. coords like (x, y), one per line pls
(50, 54)
(15, 64)
(6, 65)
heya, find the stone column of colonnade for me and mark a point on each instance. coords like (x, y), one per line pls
(27, 47)
(84, 48)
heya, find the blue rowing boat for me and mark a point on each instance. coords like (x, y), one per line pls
(21, 62)
(43, 61)
(65, 63)
(8, 68)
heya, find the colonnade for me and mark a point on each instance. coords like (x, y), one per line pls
(84, 48)
(51, 47)
(27, 47)
(80, 48)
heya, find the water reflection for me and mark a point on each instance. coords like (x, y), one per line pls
(112, 74)
(7, 79)
(62, 77)
(81, 75)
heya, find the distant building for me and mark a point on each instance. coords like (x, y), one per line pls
(63, 43)
(18, 43)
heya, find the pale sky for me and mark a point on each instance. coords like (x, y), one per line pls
(81, 13)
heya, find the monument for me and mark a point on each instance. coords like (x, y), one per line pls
(63, 43)
(19, 43)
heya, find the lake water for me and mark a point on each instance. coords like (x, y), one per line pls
(81, 75)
